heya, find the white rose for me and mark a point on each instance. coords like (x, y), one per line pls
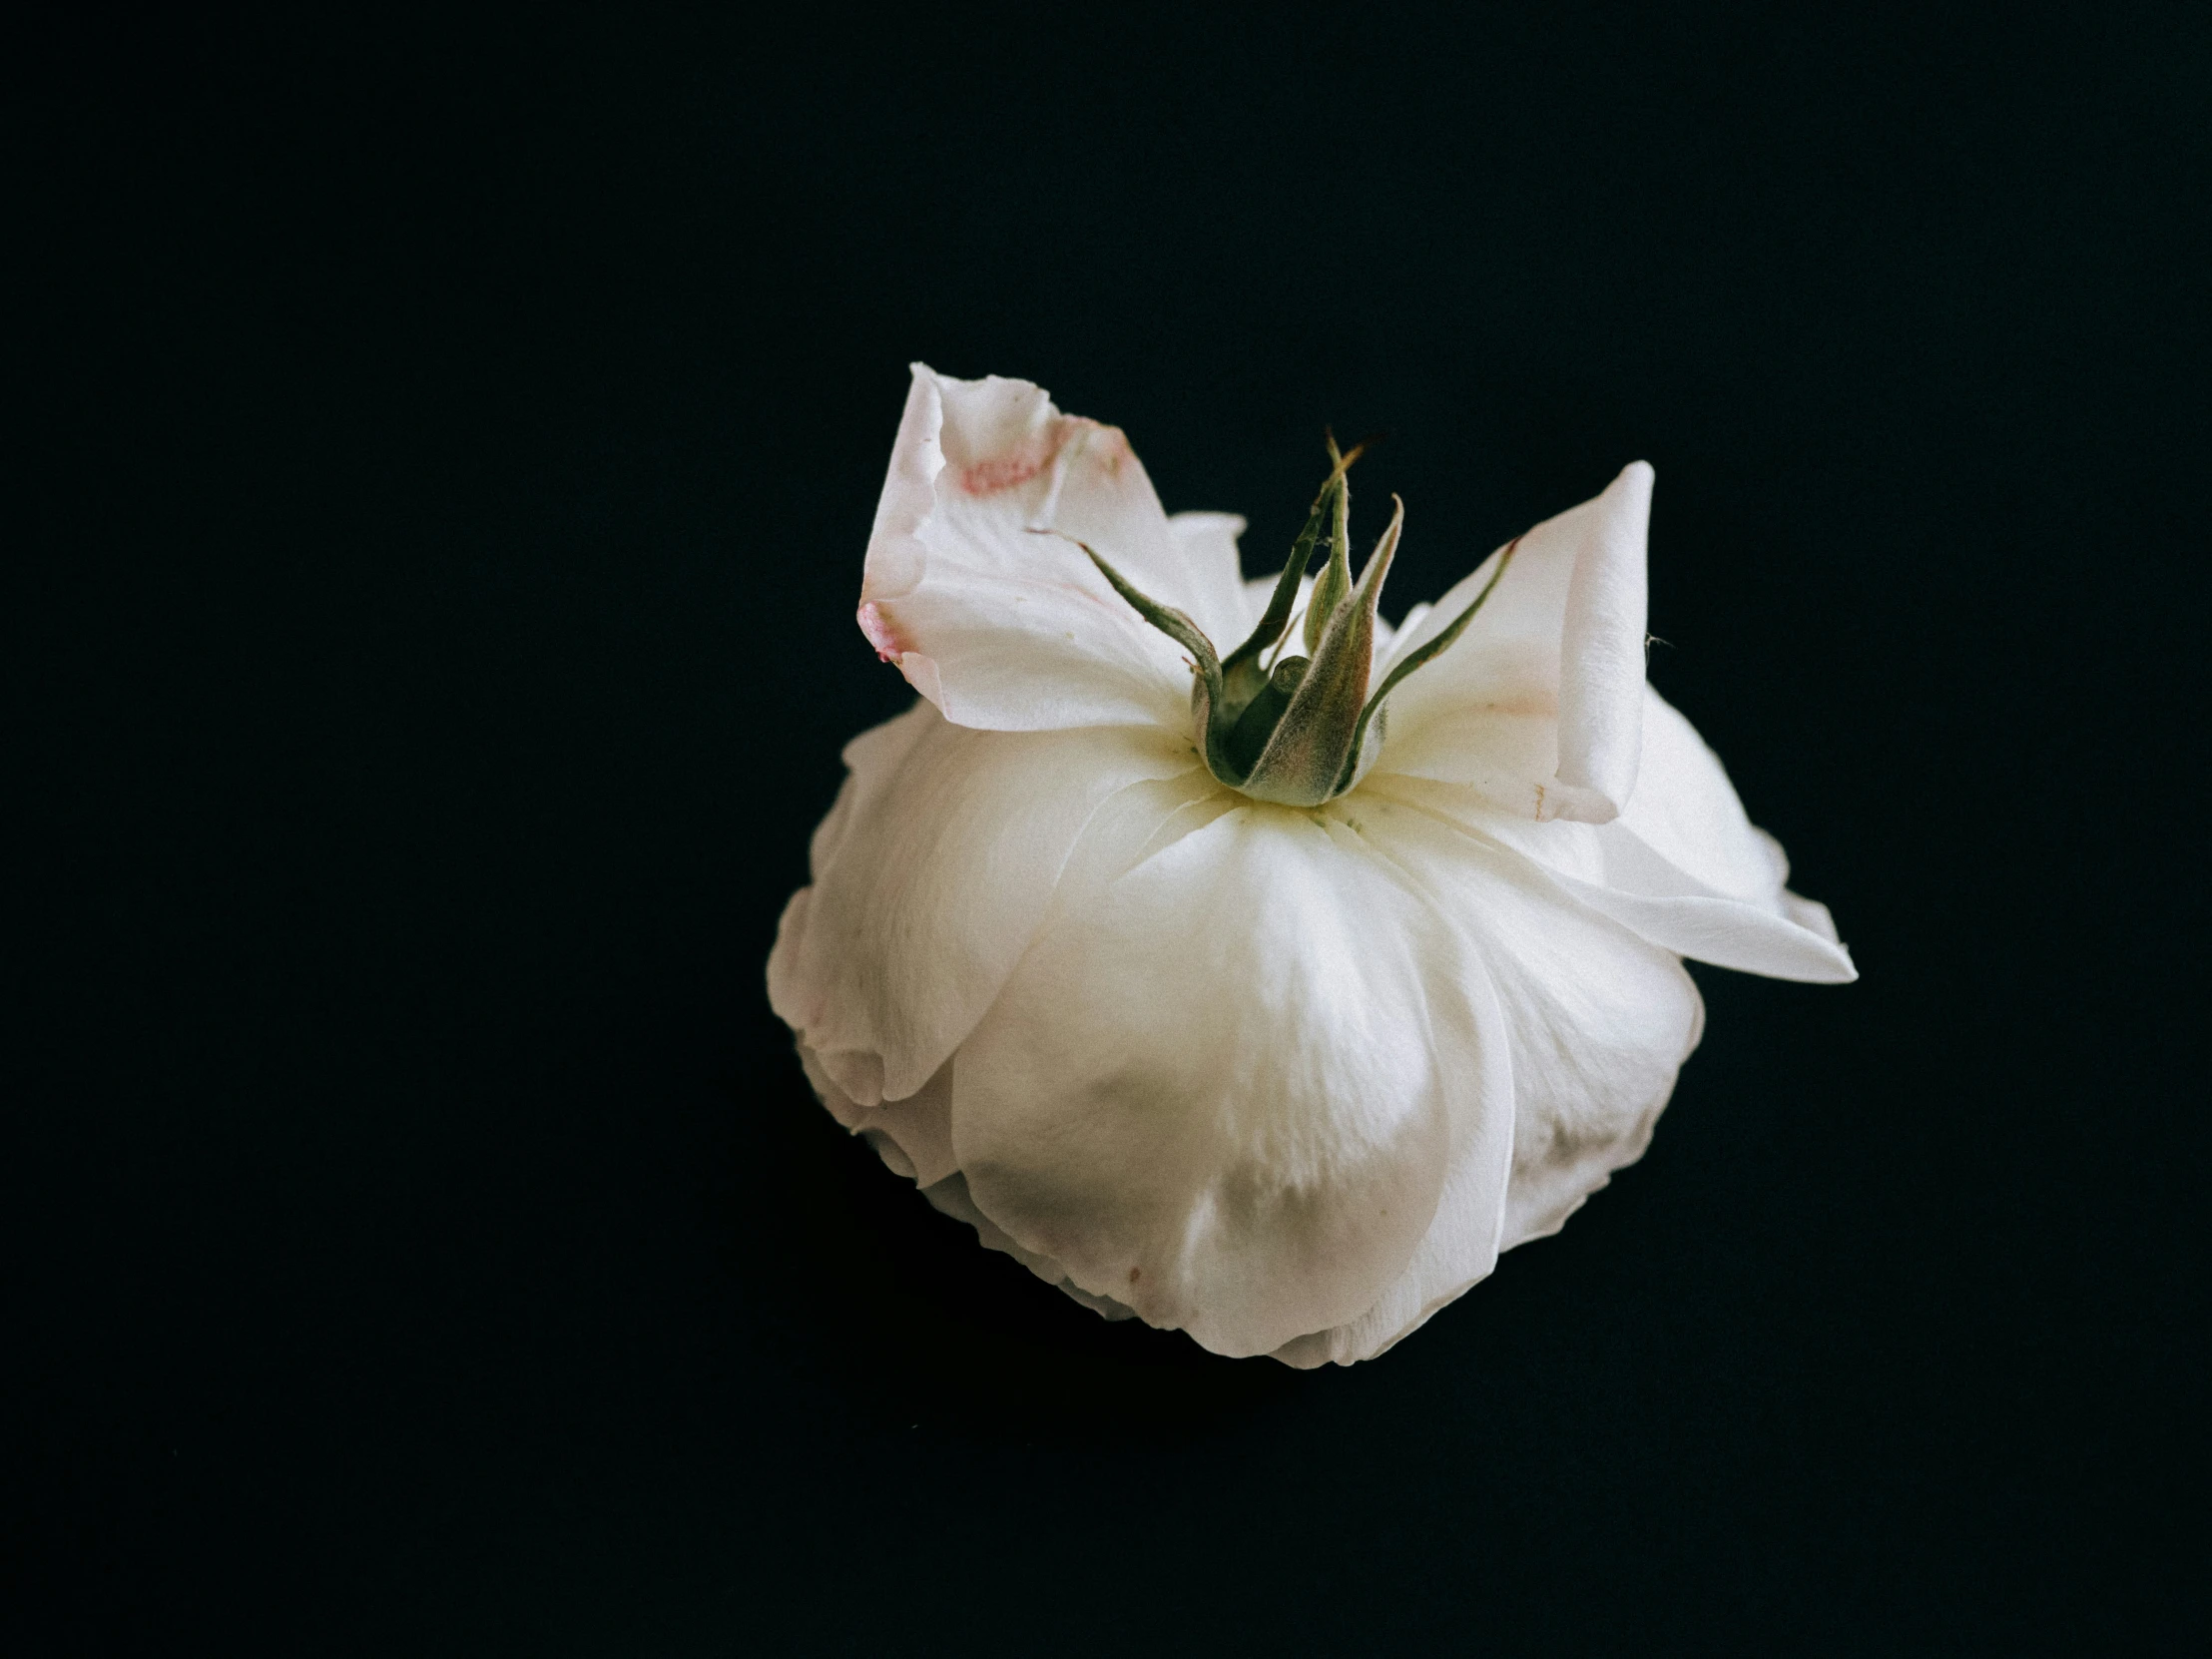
(1256, 1006)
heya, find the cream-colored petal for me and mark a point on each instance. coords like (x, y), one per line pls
(1539, 703)
(1215, 1091)
(1598, 1020)
(1686, 812)
(1582, 1026)
(950, 1195)
(1682, 866)
(942, 861)
(913, 1135)
(1475, 1047)
(1005, 628)
(1206, 549)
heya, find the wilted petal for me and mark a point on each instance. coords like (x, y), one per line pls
(1216, 1092)
(931, 875)
(1005, 629)
(1539, 704)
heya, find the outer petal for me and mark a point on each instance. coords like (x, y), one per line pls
(951, 1197)
(1685, 835)
(931, 875)
(1686, 812)
(1475, 1045)
(1540, 705)
(1003, 628)
(1598, 1021)
(914, 1137)
(1215, 1092)
(1580, 1025)
(1683, 868)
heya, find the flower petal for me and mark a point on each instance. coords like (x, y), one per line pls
(1578, 1025)
(931, 875)
(1212, 577)
(1540, 704)
(1213, 1092)
(1598, 1021)
(913, 1135)
(950, 1195)
(1682, 868)
(1461, 1243)
(1686, 811)
(1789, 938)
(1005, 628)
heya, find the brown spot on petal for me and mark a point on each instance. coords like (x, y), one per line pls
(1566, 1146)
(1133, 1273)
(1523, 703)
(891, 645)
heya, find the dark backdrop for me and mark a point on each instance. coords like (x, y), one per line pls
(450, 454)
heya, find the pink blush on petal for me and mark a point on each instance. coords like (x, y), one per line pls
(890, 644)
(1017, 465)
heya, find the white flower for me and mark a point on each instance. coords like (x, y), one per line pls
(1257, 1026)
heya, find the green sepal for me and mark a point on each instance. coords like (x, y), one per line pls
(1301, 734)
(1206, 694)
(1243, 674)
(1335, 580)
(1315, 743)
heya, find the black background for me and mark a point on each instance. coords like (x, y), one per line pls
(449, 457)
